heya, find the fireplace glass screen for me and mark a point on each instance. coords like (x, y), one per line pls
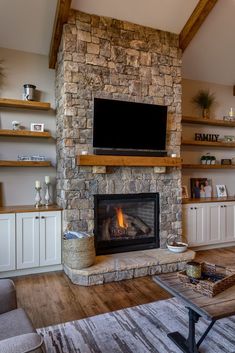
(126, 222)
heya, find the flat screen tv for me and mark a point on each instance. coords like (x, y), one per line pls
(127, 128)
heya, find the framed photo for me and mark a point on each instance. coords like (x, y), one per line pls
(37, 127)
(184, 192)
(221, 190)
(197, 186)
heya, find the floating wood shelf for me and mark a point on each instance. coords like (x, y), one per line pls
(212, 122)
(25, 133)
(17, 103)
(25, 164)
(208, 143)
(28, 208)
(128, 161)
(209, 199)
(208, 166)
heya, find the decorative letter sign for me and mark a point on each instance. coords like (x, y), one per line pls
(206, 137)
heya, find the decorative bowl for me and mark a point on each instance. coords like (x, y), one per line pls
(177, 247)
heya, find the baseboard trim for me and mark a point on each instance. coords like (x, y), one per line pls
(30, 271)
(212, 246)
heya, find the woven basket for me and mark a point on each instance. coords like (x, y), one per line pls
(79, 253)
(207, 287)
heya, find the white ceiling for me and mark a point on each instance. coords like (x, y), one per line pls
(167, 15)
(27, 24)
(211, 54)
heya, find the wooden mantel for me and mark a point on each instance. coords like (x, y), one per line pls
(127, 161)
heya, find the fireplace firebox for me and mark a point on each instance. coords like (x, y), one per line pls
(126, 222)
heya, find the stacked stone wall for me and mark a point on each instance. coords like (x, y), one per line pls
(107, 58)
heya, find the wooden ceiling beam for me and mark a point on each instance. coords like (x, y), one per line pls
(195, 21)
(61, 17)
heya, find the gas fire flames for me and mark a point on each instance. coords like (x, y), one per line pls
(120, 218)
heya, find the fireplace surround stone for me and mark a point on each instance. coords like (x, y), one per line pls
(107, 58)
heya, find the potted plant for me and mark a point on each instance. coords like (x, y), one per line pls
(204, 100)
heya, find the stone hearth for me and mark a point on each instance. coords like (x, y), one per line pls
(118, 267)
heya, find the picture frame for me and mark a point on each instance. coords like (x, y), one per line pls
(37, 127)
(221, 191)
(184, 192)
(195, 187)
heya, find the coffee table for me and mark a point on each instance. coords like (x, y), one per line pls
(198, 305)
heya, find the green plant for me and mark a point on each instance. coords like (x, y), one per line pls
(204, 99)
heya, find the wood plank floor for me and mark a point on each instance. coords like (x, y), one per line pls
(51, 298)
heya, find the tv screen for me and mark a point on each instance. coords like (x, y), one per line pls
(129, 125)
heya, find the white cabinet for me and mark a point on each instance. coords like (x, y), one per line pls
(7, 242)
(30, 240)
(209, 223)
(194, 223)
(27, 225)
(38, 239)
(227, 228)
(50, 238)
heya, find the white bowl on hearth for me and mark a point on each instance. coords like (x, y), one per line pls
(178, 249)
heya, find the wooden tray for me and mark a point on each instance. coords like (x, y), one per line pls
(215, 279)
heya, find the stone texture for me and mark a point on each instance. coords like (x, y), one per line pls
(107, 58)
(118, 267)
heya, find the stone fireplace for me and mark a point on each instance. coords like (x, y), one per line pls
(126, 222)
(106, 58)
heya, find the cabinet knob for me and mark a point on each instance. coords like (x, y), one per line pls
(195, 208)
(191, 208)
(42, 217)
(221, 206)
(225, 205)
(36, 217)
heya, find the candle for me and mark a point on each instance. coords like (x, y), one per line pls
(37, 184)
(84, 152)
(230, 112)
(47, 179)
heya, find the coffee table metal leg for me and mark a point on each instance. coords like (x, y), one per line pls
(187, 345)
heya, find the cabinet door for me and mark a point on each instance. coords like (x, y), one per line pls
(228, 221)
(50, 238)
(215, 224)
(7, 242)
(195, 224)
(27, 239)
(188, 224)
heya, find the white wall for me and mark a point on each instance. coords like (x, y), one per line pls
(20, 68)
(191, 154)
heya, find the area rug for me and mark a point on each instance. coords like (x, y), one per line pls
(140, 329)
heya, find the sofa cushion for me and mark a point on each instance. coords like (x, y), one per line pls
(30, 342)
(14, 323)
(7, 296)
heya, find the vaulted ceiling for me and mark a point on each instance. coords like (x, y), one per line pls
(27, 25)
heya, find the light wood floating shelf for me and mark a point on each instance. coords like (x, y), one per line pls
(25, 133)
(209, 199)
(208, 143)
(208, 166)
(127, 161)
(25, 164)
(17, 103)
(212, 122)
(28, 208)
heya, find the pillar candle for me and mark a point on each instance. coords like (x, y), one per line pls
(47, 179)
(37, 184)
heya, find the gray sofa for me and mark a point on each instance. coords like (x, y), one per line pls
(17, 334)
